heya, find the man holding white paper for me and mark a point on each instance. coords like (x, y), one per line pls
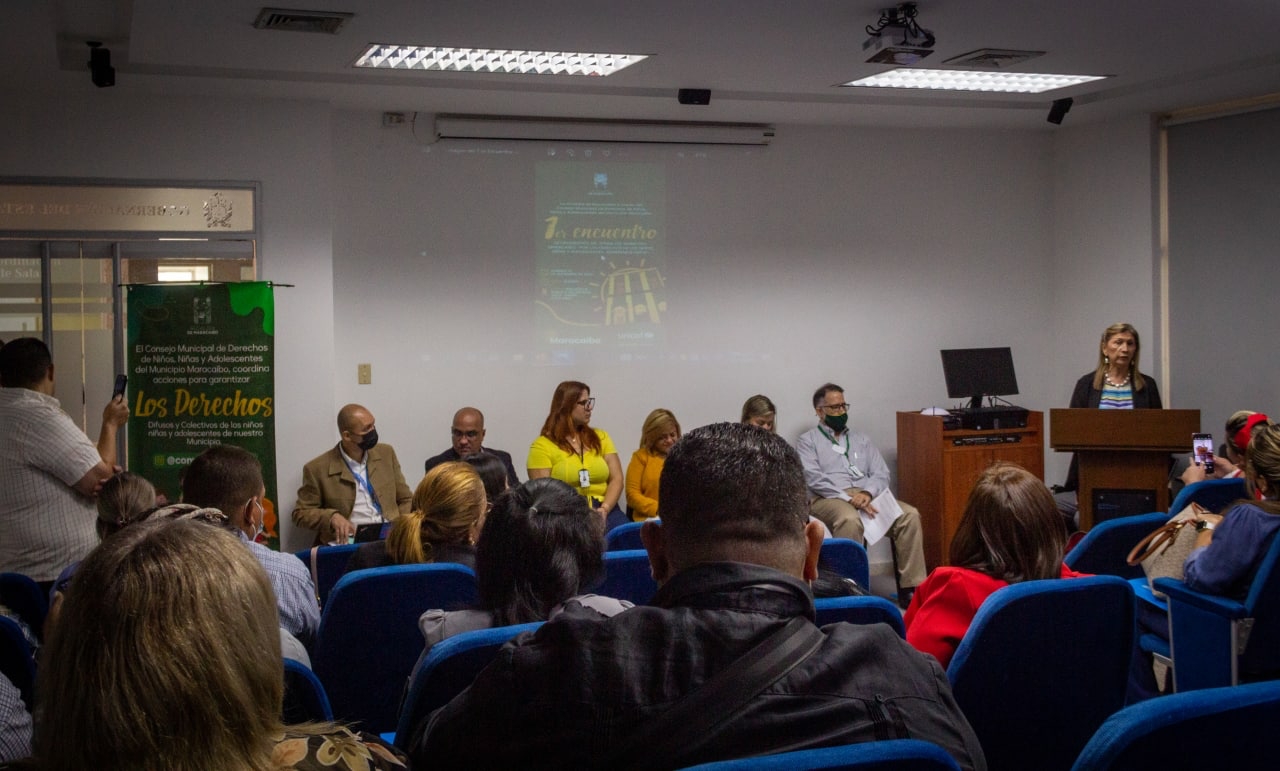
(849, 486)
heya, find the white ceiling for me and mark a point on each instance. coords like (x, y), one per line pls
(767, 61)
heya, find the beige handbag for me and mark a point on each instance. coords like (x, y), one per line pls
(1163, 552)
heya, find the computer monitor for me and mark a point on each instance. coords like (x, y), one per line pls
(973, 373)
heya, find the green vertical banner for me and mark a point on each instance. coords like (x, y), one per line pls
(201, 363)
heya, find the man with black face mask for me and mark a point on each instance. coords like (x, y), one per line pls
(357, 482)
(845, 473)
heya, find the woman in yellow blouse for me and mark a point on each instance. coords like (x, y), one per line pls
(582, 457)
(660, 431)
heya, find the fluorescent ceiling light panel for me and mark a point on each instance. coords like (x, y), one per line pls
(432, 59)
(952, 80)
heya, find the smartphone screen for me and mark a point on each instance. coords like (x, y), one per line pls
(1202, 450)
(121, 382)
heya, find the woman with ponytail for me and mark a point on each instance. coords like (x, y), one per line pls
(443, 525)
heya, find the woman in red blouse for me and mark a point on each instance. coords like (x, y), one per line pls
(1010, 531)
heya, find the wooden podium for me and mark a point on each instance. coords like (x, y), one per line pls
(937, 469)
(1122, 449)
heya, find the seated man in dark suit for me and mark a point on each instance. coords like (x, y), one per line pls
(734, 555)
(468, 440)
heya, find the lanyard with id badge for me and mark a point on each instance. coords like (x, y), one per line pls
(854, 471)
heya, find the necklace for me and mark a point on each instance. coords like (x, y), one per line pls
(1113, 383)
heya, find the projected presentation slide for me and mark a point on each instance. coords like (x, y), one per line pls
(601, 255)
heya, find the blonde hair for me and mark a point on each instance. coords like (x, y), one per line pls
(658, 423)
(447, 505)
(166, 656)
(1262, 458)
(1139, 382)
(758, 406)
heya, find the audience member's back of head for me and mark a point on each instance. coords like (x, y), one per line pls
(124, 499)
(493, 473)
(1262, 459)
(24, 361)
(167, 656)
(447, 507)
(541, 544)
(730, 491)
(1011, 528)
(223, 477)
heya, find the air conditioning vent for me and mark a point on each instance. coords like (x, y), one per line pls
(327, 22)
(596, 130)
(991, 59)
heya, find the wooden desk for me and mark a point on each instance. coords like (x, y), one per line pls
(937, 469)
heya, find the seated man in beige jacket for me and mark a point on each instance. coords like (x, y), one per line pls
(357, 482)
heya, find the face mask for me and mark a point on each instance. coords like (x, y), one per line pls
(260, 526)
(369, 440)
(836, 422)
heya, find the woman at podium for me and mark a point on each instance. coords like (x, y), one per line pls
(1116, 383)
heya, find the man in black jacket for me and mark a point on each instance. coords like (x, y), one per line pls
(734, 555)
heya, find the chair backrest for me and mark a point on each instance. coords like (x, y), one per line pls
(859, 610)
(627, 576)
(331, 562)
(624, 537)
(20, 594)
(304, 696)
(890, 755)
(1105, 549)
(848, 558)
(447, 671)
(1213, 728)
(368, 639)
(1213, 494)
(17, 661)
(1042, 665)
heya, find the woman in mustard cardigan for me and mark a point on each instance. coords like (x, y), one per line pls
(660, 431)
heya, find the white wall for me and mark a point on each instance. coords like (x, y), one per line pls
(845, 254)
(851, 255)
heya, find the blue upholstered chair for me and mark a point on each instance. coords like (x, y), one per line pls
(859, 610)
(1217, 641)
(447, 671)
(17, 661)
(331, 563)
(1043, 664)
(1214, 728)
(22, 595)
(848, 558)
(892, 755)
(627, 576)
(1105, 549)
(304, 696)
(1212, 494)
(624, 537)
(368, 641)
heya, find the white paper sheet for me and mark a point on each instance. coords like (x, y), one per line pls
(887, 511)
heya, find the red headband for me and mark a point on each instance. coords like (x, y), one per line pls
(1242, 437)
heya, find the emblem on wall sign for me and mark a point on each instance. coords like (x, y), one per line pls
(217, 211)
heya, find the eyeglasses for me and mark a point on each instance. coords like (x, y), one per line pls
(458, 434)
(835, 409)
(589, 403)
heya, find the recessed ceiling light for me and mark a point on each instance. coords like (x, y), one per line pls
(433, 59)
(950, 80)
